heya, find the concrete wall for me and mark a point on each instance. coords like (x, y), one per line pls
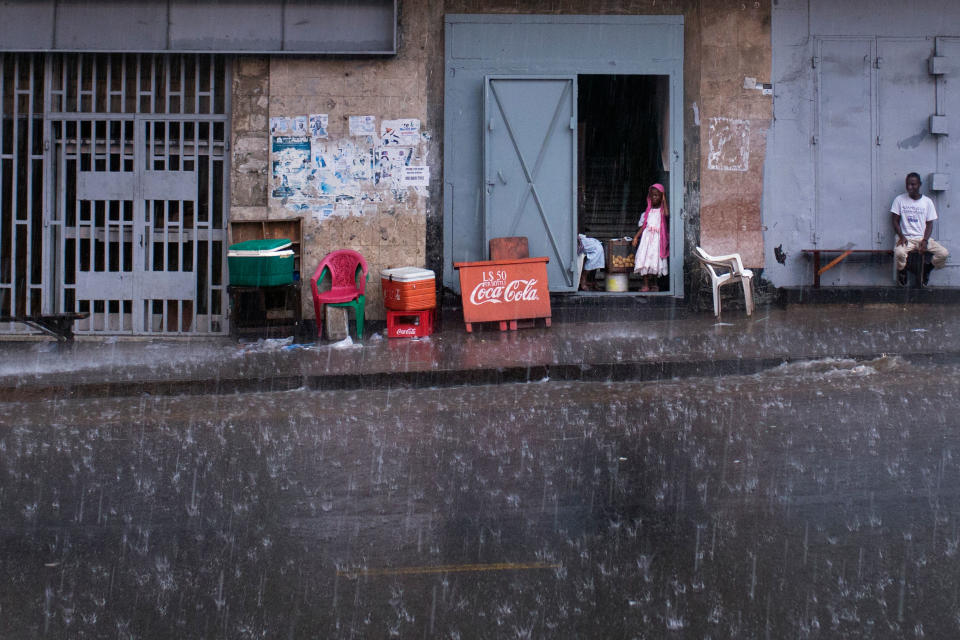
(735, 112)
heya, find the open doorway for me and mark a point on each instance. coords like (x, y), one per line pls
(623, 148)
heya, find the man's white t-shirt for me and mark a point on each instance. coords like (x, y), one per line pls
(914, 214)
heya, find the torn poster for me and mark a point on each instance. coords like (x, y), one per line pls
(296, 126)
(363, 125)
(392, 161)
(416, 176)
(291, 165)
(322, 212)
(404, 132)
(729, 144)
(318, 125)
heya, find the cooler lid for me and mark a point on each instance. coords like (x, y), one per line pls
(259, 254)
(407, 274)
(262, 246)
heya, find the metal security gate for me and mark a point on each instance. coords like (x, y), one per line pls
(132, 181)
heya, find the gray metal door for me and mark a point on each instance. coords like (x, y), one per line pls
(844, 143)
(906, 97)
(530, 170)
(947, 228)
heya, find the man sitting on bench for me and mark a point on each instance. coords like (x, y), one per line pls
(913, 215)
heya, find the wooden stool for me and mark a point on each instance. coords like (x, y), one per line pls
(410, 324)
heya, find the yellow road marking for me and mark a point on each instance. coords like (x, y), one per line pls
(447, 568)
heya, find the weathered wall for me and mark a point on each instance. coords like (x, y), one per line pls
(735, 112)
(250, 138)
(349, 190)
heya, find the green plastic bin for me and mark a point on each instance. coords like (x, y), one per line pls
(260, 263)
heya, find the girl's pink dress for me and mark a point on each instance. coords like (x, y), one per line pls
(648, 261)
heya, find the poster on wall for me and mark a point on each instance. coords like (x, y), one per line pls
(291, 165)
(363, 125)
(392, 161)
(396, 133)
(315, 175)
(318, 126)
(415, 176)
(296, 126)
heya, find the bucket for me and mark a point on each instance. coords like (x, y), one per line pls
(617, 281)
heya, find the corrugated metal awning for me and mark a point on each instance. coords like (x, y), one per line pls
(333, 27)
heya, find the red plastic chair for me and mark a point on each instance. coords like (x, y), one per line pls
(342, 266)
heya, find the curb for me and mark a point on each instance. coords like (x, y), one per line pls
(642, 371)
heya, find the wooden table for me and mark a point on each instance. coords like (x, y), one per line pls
(504, 291)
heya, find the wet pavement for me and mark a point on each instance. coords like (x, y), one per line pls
(660, 344)
(787, 475)
(812, 500)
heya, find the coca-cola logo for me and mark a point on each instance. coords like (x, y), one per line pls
(411, 331)
(499, 291)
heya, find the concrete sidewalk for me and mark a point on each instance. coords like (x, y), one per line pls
(663, 343)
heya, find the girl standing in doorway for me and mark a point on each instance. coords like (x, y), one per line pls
(652, 239)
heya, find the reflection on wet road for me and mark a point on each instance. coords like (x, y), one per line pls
(814, 500)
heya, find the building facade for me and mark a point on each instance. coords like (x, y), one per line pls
(411, 131)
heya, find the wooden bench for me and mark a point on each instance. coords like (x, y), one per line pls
(59, 325)
(842, 254)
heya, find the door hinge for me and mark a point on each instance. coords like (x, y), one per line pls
(878, 62)
(814, 140)
(814, 61)
(878, 141)
(573, 124)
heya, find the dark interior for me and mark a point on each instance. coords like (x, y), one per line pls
(622, 131)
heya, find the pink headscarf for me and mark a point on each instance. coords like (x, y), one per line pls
(664, 213)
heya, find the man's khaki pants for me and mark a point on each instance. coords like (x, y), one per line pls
(900, 252)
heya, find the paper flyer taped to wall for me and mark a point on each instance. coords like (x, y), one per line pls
(416, 176)
(296, 126)
(404, 132)
(318, 125)
(363, 125)
(393, 159)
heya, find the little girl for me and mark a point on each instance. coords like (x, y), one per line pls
(652, 239)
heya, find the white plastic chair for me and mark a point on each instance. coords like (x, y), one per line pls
(732, 271)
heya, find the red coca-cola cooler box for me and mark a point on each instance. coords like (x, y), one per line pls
(408, 289)
(504, 291)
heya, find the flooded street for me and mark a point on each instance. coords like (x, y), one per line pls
(816, 499)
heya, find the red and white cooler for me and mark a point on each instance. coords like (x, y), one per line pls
(408, 289)
(410, 296)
